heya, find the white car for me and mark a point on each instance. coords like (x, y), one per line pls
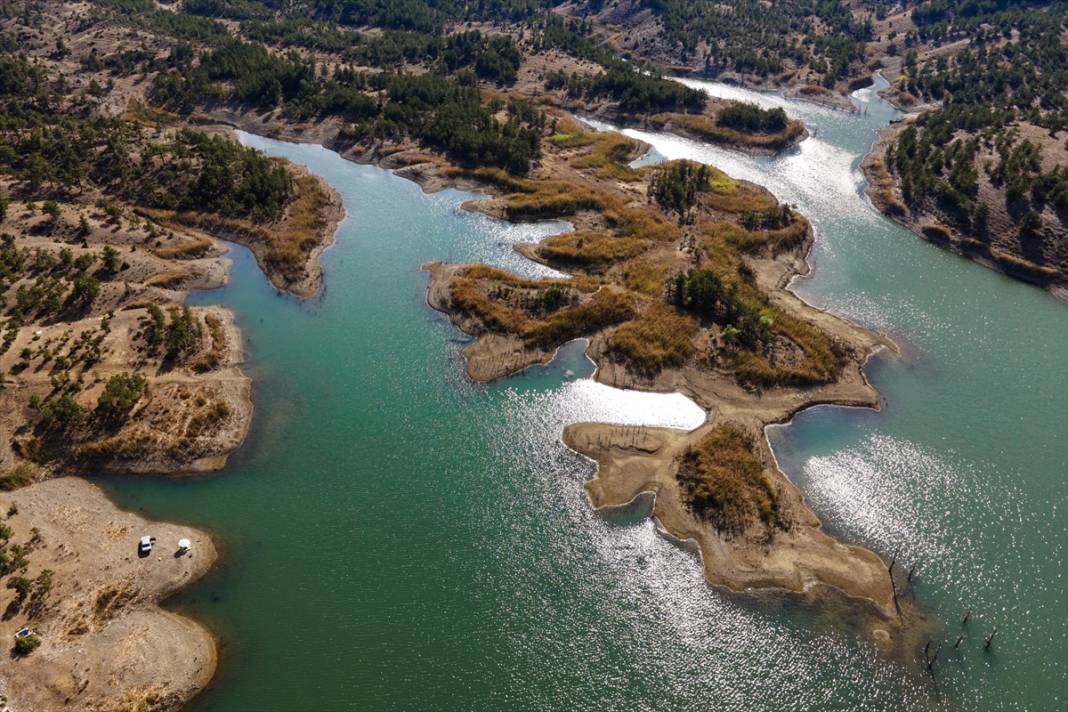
(145, 545)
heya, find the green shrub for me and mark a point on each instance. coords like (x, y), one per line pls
(751, 118)
(121, 393)
(675, 188)
(61, 412)
(26, 645)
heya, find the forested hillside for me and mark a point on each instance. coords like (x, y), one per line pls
(988, 160)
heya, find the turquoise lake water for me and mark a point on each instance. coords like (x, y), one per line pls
(396, 537)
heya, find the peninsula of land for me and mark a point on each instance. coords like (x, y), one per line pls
(104, 370)
(679, 286)
(92, 602)
(978, 164)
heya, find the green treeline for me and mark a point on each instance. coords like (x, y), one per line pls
(49, 147)
(445, 112)
(451, 116)
(146, 15)
(494, 58)
(754, 37)
(751, 118)
(425, 16)
(634, 91)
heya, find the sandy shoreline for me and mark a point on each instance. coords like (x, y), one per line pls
(105, 642)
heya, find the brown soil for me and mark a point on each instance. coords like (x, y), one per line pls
(158, 266)
(1042, 260)
(105, 642)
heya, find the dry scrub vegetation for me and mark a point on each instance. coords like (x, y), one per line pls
(704, 128)
(724, 483)
(285, 246)
(638, 232)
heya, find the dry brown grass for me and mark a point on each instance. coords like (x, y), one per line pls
(570, 140)
(208, 418)
(166, 280)
(22, 474)
(125, 446)
(233, 228)
(660, 338)
(289, 247)
(485, 272)
(646, 276)
(629, 221)
(488, 303)
(501, 179)
(883, 187)
(185, 250)
(469, 297)
(210, 359)
(608, 307)
(609, 155)
(744, 199)
(413, 158)
(551, 200)
(723, 482)
(718, 246)
(821, 364)
(591, 249)
(1020, 266)
(773, 242)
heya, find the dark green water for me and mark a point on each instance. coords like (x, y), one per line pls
(395, 537)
